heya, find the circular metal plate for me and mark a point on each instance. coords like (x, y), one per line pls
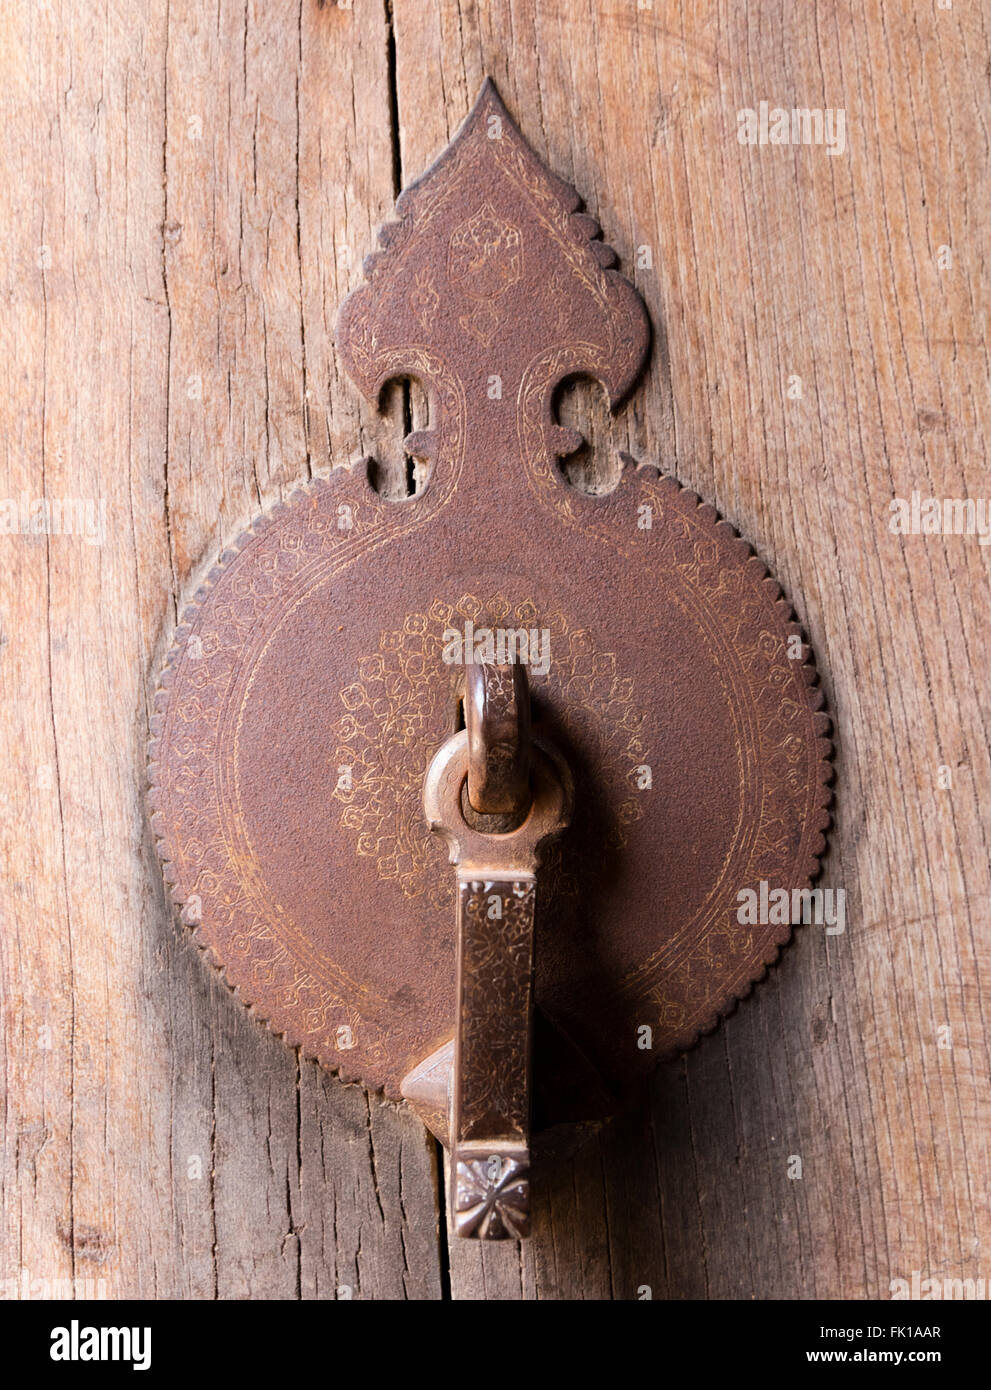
(307, 691)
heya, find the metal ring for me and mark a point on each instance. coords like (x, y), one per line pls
(497, 719)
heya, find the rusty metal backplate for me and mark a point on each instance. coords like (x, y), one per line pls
(307, 688)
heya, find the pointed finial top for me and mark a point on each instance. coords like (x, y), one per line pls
(489, 268)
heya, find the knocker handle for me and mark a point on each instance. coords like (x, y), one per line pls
(497, 895)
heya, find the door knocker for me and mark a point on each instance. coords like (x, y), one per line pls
(461, 791)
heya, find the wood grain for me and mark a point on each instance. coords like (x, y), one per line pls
(189, 193)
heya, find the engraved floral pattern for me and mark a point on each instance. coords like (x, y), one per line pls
(388, 706)
(492, 1207)
(424, 300)
(484, 259)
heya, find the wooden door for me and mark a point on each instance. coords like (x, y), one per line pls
(188, 195)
